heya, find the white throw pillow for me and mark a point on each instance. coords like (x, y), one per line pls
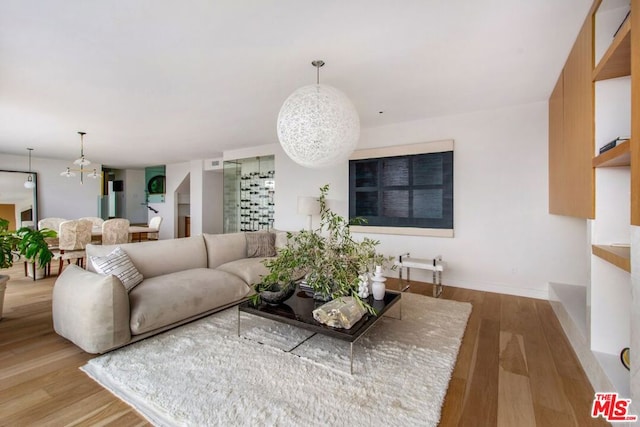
(118, 264)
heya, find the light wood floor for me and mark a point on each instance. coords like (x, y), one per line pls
(515, 367)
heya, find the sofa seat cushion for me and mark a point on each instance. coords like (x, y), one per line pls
(250, 270)
(162, 300)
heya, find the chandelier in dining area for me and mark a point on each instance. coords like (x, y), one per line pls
(80, 164)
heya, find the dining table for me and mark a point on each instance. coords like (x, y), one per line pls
(135, 231)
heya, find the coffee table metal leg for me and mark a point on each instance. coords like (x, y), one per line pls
(238, 322)
(351, 358)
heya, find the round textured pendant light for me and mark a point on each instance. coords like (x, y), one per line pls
(318, 126)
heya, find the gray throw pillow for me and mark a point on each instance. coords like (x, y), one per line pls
(260, 244)
(118, 264)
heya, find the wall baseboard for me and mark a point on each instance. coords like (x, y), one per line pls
(595, 373)
(499, 288)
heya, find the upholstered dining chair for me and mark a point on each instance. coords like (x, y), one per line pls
(74, 236)
(115, 231)
(155, 224)
(52, 224)
(97, 224)
(95, 221)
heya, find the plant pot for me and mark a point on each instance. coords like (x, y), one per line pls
(319, 296)
(3, 286)
(32, 269)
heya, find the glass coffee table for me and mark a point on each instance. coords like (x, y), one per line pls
(298, 311)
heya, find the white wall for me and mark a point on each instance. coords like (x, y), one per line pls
(58, 196)
(212, 207)
(196, 184)
(205, 199)
(293, 181)
(175, 174)
(505, 240)
(135, 208)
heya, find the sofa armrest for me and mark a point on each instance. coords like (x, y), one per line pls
(91, 310)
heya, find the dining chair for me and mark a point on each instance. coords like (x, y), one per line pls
(74, 236)
(155, 224)
(115, 231)
(97, 225)
(95, 221)
(51, 223)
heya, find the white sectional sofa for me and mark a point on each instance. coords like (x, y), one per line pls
(184, 279)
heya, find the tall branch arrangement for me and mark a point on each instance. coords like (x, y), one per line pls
(329, 255)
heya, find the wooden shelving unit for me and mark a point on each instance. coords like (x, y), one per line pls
(618, 156)
(618, 256)
(616, 62)
(603, 310)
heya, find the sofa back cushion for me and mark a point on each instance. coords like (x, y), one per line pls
(159, 257)
(223, 248)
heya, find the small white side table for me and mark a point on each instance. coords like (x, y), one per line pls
(436, 265)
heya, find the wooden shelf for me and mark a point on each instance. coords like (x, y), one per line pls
(616, 61)
(618, 256)
(617, 156)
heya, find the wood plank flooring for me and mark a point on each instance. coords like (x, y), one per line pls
(515, 366)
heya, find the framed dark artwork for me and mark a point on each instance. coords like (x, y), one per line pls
(403, 189)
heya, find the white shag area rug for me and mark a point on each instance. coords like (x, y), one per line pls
(203, 374)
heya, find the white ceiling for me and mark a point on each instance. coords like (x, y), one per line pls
(163, 81)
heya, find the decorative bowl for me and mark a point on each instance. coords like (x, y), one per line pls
(278, 293)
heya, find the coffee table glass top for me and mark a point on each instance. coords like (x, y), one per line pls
(297, 311)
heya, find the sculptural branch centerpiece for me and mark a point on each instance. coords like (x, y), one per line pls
(329, 257)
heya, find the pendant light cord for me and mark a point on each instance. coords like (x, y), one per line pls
(82, 144)
(317, 63)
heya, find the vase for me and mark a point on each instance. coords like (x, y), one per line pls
(364, 287)
(378, 287)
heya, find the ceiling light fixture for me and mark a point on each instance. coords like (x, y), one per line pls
(81, 162)
(29, 182)
(318, 126)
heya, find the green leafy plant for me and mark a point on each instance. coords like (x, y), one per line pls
(331, 258)
(8, 242)
(33, 245)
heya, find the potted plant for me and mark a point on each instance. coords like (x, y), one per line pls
(8, 241)
(279, 284)
(33, 245)
(331, 258)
